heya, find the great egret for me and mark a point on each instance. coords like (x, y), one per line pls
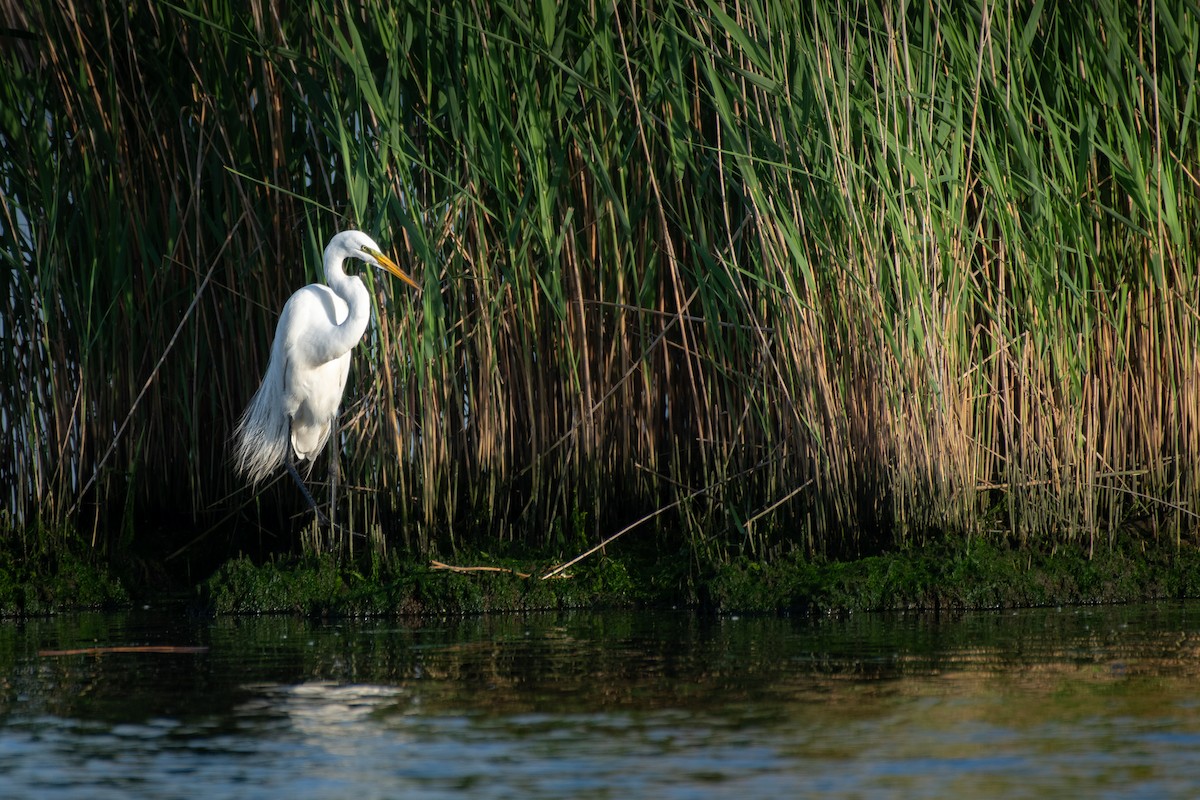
(291, 415)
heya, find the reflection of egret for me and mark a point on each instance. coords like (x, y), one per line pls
(295, 409)
(336, 718)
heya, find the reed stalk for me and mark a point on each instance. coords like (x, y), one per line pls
(831, 278)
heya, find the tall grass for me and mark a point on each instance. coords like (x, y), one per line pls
(832, 278)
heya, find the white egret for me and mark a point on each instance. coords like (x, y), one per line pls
(292, 413)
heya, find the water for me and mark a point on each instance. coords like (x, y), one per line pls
(1042, 703)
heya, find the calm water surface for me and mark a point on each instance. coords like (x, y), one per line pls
(1043, 703)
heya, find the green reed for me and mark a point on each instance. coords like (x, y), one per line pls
(832, 278)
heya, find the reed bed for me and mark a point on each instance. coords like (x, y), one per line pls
(829, 279)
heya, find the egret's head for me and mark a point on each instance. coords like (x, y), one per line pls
(356, 244)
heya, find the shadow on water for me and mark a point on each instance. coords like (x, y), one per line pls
(614, 704)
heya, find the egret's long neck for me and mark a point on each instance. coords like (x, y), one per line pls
(351, 289)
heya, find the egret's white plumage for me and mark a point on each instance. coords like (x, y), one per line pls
(293, 410)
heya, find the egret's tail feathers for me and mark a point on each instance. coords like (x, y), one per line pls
(261, 439)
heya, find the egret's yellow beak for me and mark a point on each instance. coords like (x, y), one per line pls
(391, 267)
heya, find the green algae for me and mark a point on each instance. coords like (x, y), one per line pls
(944, 575)
(44, 579)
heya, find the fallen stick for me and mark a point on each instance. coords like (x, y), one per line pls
(144, 648)
(439, 565)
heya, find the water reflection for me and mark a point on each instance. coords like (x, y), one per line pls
(1038, 702)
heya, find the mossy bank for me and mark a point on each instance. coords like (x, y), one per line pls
(938, 576)
(943, 575)
(37, 578)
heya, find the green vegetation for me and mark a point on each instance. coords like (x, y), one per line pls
(52, 570)
(317, 585)
(937, 576)
(795, 284)
(940, 576)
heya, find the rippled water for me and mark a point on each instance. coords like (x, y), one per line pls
(1042, 703)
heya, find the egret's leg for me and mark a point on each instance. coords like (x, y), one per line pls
(291, 468)
(290, 463)
(334, 450)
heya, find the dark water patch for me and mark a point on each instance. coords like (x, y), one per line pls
(1039, 703)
